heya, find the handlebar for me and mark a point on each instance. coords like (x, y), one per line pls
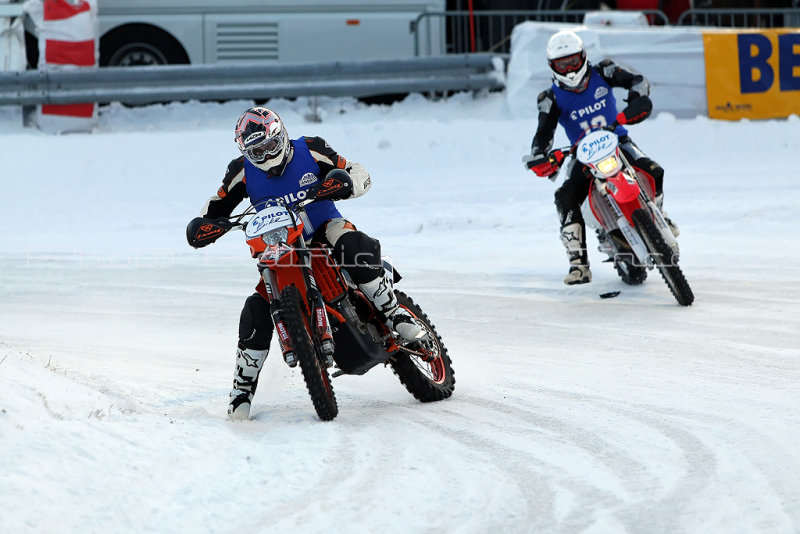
(237, 219)
(570, 150)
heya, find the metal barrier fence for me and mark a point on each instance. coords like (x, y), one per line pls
(491, 29)
(742, 18)
(144, 85)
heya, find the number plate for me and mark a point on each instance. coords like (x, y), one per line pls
(268, 219)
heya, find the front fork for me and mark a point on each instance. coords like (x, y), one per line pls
(319, 316)
(276, 312)
(627, 229)
(661, 224)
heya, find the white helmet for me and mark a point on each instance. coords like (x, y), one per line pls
(566, 57)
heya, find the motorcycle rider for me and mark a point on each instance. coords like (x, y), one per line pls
(272, 165)
(581, 97)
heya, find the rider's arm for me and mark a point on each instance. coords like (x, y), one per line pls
(328, 159)
(639, 103)
(212, 222)
(232, 192)
(539, 160)
(548, 121)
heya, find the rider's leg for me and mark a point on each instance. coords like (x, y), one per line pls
(569, 198)
(255, 333)
(360, 255)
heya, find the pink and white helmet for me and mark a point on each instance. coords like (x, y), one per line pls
(262, 138)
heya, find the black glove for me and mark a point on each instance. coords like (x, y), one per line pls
(201, 232)
(637, 111)
(337, 185)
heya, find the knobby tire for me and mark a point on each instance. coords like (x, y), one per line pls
(632, 275)
(625, 262)
(426, 381)
(663, 255)
(315, 373)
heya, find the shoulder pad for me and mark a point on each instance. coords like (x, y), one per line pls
(546, 100)
(543, 95)
(234, 167)
(607, 68)
(315, 142)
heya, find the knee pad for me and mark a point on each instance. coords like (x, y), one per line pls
(569, 209)
(255, 324)
(653, 169)
(360, 255)
(572, 193)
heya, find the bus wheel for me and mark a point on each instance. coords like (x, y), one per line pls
(140, 44)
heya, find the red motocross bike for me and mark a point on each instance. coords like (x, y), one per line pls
(324, 321)
(630, 227)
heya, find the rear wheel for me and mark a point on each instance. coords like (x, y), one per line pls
(315, 373)
(664, 257)
(631, 274)
(430, 380)
(620, 253)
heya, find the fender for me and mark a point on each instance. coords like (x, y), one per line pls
(282, 275)
(625, 191)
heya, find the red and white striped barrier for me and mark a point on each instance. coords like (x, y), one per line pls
(68, 38)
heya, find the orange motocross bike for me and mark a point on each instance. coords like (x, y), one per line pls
(324, 322)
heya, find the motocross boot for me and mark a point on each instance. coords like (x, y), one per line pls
(672, 226)
(381, 292)
(245, 380)
(574, 240)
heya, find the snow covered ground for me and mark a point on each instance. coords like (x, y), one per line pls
(571, 413)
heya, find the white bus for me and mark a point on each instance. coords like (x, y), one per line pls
(153, 32)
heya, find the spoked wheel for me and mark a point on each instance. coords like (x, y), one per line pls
(623, 258)
(315, 373)
(665, 259)
(631, 274)
(424, 369)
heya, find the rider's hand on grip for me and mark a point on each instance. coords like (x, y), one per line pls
(546, 167)
(201, 231)
(637, 111)
(337, 185)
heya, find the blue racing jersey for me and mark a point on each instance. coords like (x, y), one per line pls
(595, 106)
(301, 173)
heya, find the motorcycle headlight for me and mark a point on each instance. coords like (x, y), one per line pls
(276, 237)
(608, 165)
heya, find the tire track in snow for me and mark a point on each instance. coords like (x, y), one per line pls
(591, 473)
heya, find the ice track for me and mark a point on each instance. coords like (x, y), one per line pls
(571, 414)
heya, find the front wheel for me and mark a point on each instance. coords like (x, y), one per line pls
(665, 258)
(430, 380)
(315, 373)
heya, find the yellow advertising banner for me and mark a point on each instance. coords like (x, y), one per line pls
(752, 74)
